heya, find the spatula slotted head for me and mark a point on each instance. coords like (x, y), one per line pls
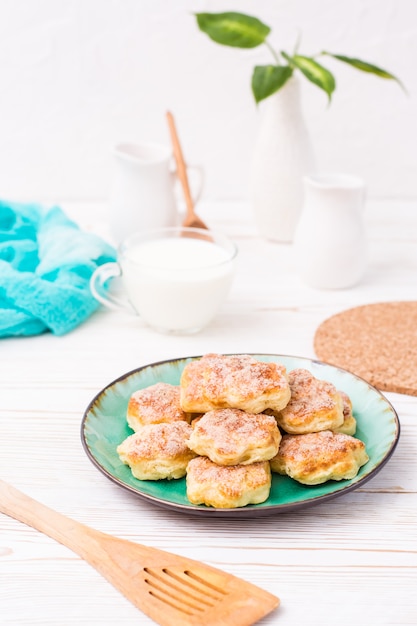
(177, 591)
(201, 595)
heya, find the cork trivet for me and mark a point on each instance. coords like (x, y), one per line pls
(377, 342)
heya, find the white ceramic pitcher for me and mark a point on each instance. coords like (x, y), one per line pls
(330, 243)
(143, 189)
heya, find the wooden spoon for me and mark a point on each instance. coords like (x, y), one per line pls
(172, 590)
(191, 219)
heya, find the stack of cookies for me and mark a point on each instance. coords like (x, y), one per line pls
(158, 447)
(318, 426)
(231, 421)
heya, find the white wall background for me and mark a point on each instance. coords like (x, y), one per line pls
(77, 76)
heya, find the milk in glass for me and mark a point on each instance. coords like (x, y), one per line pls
(177, 283)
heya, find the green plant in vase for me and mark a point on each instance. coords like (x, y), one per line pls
(244, 31)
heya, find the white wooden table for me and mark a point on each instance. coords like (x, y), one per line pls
(350, 561)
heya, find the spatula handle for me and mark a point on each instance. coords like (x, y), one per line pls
(25, 509)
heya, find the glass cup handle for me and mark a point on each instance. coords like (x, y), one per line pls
(98, 281)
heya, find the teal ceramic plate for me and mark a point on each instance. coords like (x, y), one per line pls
(104, 426)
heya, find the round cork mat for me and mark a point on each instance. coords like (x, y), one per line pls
(377, 342)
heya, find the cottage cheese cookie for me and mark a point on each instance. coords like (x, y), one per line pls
(154, 405)
(314, 405)
(227, 487)
(314, 458)
(232, 437)
(348, 426)
(236, 382)
(157, 451)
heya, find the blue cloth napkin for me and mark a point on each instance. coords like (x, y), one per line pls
(46, 262)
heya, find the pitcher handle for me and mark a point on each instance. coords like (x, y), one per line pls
(98, 281)
(200, 184)
(195, 193)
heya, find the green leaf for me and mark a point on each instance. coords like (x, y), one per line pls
(315, 72)
(364, 66)
(267, 79)
(233, 29)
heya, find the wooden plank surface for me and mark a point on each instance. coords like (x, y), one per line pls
(352, 560)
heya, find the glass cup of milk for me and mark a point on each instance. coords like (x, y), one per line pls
(175, 278)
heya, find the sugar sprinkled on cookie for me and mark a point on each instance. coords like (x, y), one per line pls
(227, 487)
(157, 451)
(314, 405)
(237, 382)
(155, 404)
(232, 437)
(315, 458)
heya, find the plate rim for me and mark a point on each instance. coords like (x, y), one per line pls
(250, 511)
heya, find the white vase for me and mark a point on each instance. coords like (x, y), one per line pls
(283, 155)
(330, 243)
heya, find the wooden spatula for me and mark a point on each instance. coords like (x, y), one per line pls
(172, 590)
(191, 219)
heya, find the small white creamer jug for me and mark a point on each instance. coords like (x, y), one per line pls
(330, 243)
(143, 189)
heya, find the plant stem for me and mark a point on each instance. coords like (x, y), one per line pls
(298, 42)
(274, 54)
